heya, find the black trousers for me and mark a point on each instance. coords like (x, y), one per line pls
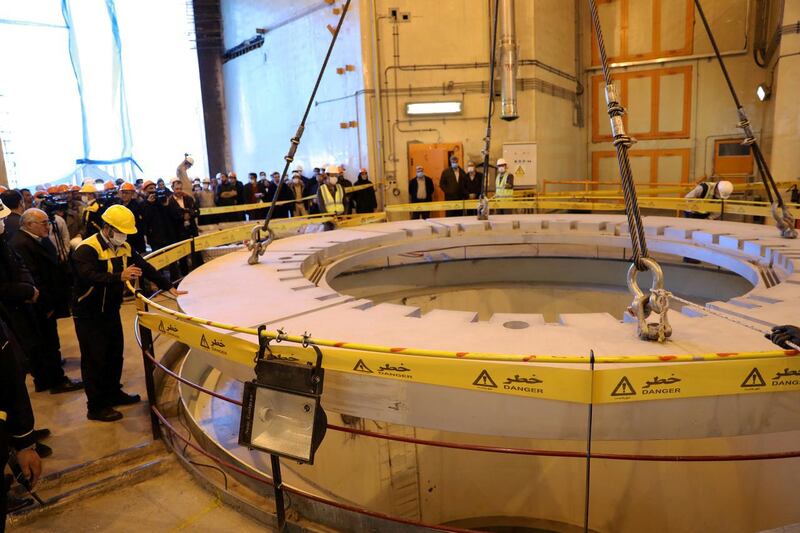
(420, 214)
(46, 365)
(101, 341)
(3, 487)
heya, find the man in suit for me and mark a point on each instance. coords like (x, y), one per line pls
(420, 189)
(12, 199)
(183, 214)
(471, 185)
(281, 211)
(33, 245)
(450, 183)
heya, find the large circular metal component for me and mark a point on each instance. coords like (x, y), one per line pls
(292, 288)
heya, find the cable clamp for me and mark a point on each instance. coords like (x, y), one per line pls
(645, 304)
(257, 245)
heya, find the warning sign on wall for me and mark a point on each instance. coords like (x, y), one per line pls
(521, 159)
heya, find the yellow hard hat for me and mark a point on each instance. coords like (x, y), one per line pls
(88, 187)
(120, 218)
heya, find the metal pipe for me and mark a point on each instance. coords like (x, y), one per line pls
(378, 105)
(508, 62)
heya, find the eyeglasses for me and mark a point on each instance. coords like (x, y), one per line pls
(46, 222)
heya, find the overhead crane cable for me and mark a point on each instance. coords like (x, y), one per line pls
(483, 204)
(784, 220)
(257, 245)
(656, 301)
(621, 143)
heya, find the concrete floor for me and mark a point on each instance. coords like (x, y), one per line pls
(170, 502)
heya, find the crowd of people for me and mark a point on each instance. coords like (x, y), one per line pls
(300, 195)
(458, 184)
(69, 251)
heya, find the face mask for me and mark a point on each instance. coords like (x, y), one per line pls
(296, 181)
(333, 180)
(501, 169)
(2, 226)
(84, 199)
(420, 174)
(470, 169)
(454, 165)
(117, 239)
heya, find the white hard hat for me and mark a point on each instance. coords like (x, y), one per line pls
(724, 189)
(333, 169)
(298, 167)
(190, 160)
(501, 162)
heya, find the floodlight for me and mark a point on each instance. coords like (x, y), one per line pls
(433, 108)
(763, 92)
(281, 411)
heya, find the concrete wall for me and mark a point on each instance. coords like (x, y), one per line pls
(266, 90)
(785, 160)
(713, 113)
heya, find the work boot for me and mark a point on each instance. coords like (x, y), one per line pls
(67, 385)
(15, 504)
(123, 398)
(105, 414)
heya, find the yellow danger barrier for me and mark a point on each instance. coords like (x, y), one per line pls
(577, 384)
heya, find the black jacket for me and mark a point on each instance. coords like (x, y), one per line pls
(471, 186)
(137, 240)
(41, 259)
(365, 200)
(450, 185)
(281, 211)
(178, 216)
(16, 415)
(16, 291)
(12, 225)
(412, 190)
(160, 230)
(99, 291)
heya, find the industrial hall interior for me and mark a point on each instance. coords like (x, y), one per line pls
(505, 266)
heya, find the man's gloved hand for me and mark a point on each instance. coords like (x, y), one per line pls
(782, 334)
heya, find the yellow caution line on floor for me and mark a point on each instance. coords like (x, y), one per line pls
(531, 380)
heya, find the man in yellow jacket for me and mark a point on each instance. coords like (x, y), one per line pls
(102, 264)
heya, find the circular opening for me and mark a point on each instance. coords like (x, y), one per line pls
(548, 286)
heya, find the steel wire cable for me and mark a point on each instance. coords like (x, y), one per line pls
(744, 122)
(295, 141)
(621, 144)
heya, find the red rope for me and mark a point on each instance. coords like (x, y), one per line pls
(293, 490)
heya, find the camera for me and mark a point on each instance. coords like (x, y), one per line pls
(51, 204)
(107, 198)
(162, 194)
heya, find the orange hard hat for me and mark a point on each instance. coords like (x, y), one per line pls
(39, 194)
(52, 190)
(3, 189)
(127, 186)
(107, 186)
(61, 189)
(75, 188)
(148, 183)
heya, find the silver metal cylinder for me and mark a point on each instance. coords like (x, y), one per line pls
(508, 61)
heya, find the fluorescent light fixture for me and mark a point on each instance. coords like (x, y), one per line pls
(763, 92)
(433, 108)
